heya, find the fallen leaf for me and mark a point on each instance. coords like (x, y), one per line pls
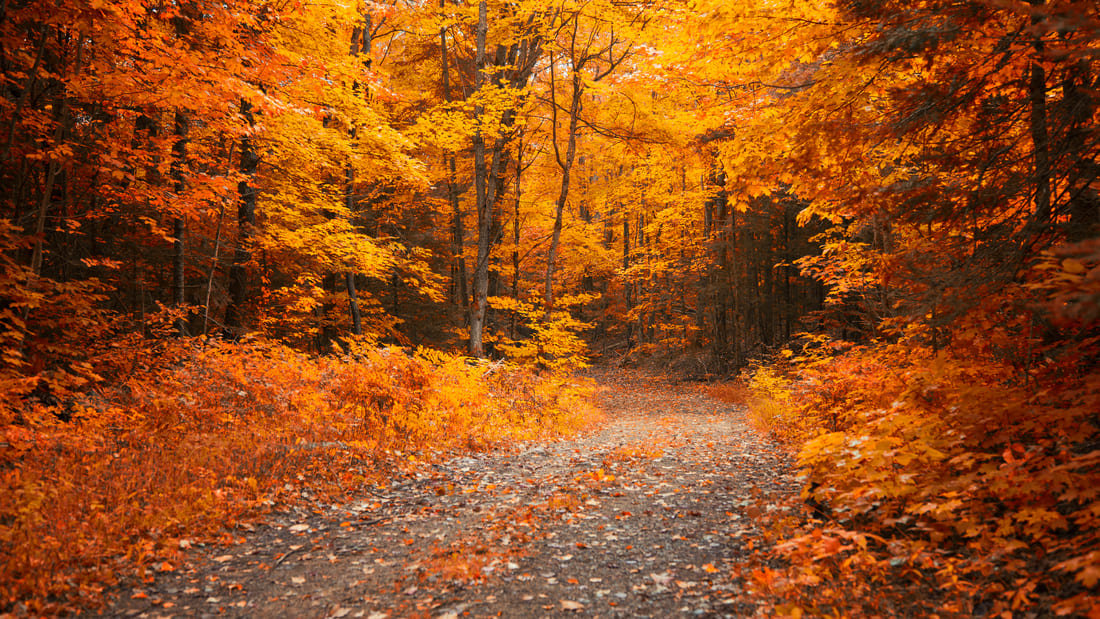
(223, 558)
(298, 580)
(661, 579)
(296, 528)
(571, 605)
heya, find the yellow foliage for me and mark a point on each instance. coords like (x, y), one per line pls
(554, 343)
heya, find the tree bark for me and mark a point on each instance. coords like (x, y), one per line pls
(627, 283)
(1037, 94)
(246, 220)
(1037, 91)
(484, 217)
(53, 168)
(515, 232)
(179, 283)
(566, 166)
(1079, 106)
(360, 45)
(517, 63)
(458, 241)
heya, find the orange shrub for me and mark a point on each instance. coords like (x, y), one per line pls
(956, 482)
(228, 432)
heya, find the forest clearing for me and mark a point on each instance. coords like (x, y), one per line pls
(747, 307)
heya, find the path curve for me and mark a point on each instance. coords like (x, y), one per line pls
(644, 517)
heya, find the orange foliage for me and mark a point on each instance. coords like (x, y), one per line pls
(227, 432)
(957, 481)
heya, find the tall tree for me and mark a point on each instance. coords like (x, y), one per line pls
(586, 39)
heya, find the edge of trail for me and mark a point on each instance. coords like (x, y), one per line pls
(647, 515)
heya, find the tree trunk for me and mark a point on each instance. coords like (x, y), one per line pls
(788, 256)
(516, 63)
(353, 304)
(484, 216)
(246, 220)
(179, 284)
(360, 45)
(515, 233)
(566, 166)
(1041, 143)
(735, 269)
(1079, 106)
(53, 168)
(458, 241)
(1037, 93)
(627, 283)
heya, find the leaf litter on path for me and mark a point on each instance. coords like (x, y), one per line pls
(643, 517)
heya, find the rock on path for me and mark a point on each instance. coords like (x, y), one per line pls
(643, 518)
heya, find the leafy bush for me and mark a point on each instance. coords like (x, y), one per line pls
(957, 482)
(179, 452)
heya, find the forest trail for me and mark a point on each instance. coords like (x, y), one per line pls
(644, 516)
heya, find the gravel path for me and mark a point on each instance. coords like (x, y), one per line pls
(645, 517)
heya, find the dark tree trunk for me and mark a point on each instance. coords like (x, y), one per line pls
(1078, 89)
(179, 254)
(246, 221)
(458, 234)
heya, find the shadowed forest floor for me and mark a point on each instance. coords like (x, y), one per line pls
(647, 515)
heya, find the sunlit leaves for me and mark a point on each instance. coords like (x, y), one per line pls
(940, 452)
(229, 433)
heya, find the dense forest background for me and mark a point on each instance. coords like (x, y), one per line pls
(701, 179)
(907, 193)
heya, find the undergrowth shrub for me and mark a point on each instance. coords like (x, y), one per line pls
(955, 482)
(166, 453)
(553, 338)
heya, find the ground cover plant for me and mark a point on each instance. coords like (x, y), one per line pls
(122, 481)
(948, 482)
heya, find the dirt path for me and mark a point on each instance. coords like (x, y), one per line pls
(643, 518)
